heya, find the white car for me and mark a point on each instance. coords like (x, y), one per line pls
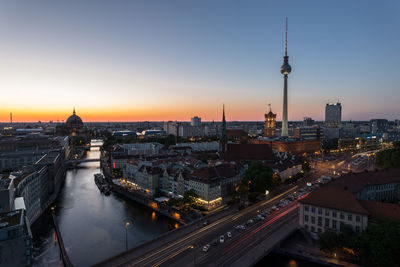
(229, 234)
(221, 239)
(206, 248)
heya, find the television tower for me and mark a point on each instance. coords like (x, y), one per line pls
(285, 70)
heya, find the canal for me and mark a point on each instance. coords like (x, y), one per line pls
(92, 224)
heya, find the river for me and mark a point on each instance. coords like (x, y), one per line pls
(92, 224)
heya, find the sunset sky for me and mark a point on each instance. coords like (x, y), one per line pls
(171, 60)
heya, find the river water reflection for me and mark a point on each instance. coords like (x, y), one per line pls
(92, 224)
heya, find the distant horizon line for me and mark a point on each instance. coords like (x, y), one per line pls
(63, 121)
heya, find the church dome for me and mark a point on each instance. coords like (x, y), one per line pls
(74, 120)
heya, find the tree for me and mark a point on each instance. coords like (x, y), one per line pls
(380, 244)
(306, 166)
(190, 196)
(389, 157)
(258, 177)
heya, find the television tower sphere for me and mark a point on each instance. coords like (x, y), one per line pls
(286, 69)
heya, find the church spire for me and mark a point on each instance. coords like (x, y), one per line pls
(223, 136)
(223, 140)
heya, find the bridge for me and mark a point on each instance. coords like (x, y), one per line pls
(88, 146)
(183, 246)
(77, 161)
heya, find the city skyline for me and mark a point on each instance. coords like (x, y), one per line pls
(140, 62)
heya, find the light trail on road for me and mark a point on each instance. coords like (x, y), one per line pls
(156, 256)
(269, 222)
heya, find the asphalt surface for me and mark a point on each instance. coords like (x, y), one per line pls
(184, 246)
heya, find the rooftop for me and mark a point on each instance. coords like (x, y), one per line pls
(4, 184)
(334, 197)
(249, 152)
(354, 182)
(10, 218)
(379, 210)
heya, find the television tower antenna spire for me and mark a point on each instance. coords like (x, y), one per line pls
(286, 37)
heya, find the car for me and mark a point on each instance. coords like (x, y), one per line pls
(229, 234)
(240, 228)
(206, 223)
(221, 239)
(206, 248)
(215, 243)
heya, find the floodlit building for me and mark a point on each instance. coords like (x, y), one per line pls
(270, 124)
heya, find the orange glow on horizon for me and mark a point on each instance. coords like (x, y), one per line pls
(184, 113)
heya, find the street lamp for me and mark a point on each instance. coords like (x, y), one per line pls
(127, 224)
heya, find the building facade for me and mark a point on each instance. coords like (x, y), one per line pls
(195, 121)
(270, 125)
(379, 126)
(333, 113)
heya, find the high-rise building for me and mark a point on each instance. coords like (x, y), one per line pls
(171, 127)
(270, 124)
(195, 121)
(333, 113)
(285, 70)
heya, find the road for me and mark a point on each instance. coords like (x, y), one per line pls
(184, 246)
(191, 237)
(227, 253)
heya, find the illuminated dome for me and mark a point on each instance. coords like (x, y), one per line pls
(74, 120)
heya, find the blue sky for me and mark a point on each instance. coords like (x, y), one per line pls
(161, 60)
